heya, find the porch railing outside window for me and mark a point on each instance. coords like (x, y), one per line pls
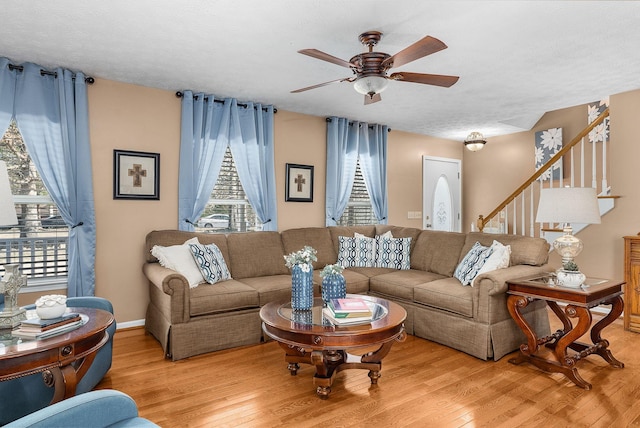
(359, 210)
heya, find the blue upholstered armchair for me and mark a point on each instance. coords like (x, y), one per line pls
(27, 394)
(102, 408)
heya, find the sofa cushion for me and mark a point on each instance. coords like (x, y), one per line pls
(177, 237)
(524, 250)
(356, 281)
(317, 237)
(225, 296)
(273, 288)
(446, 294)
(255, 254)
(471, 263)
(399, 232)
(437, 251)
(209, 260)
(400, 283)
(179, 258)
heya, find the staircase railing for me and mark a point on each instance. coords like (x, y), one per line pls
(516, 213)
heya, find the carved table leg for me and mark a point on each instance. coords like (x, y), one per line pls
(617, 305)
(515, 304)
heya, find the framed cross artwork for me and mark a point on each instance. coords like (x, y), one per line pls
(136, 175)
(299, 183)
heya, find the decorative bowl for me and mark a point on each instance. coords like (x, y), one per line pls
(570, 279)
(51, 306)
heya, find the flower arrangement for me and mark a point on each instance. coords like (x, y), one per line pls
(335, 269)
(303, 258)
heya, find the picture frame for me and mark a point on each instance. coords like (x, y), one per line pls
(299, 183)
(136, 175)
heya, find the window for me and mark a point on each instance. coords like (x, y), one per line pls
(359, 210)
(39, 242)
(228, 209)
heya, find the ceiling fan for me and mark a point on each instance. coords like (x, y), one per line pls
(370, 68)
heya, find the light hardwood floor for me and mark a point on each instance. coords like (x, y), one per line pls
(423, 384)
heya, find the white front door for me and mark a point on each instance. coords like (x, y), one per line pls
(442, 189)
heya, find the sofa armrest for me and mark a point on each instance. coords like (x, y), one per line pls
(491, 303)
(101, 408)
(172, 289)
(496, 280)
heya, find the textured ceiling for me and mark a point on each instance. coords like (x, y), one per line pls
(516, 60)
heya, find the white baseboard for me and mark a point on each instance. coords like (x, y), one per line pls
(129, 324)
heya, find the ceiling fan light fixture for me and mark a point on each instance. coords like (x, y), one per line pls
(475, 141)
(370, 85)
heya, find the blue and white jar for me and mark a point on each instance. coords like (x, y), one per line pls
(333, 287)
(301, 287)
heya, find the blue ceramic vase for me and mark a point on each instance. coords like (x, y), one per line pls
(301, 289)
(333, 287)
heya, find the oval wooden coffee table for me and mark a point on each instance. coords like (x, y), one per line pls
(309, 338)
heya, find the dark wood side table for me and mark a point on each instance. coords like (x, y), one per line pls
(63, 359)
(578, 302)
(307, 337)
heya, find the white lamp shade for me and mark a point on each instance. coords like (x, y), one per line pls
(370, 84)
(568, 205)
(7, 206)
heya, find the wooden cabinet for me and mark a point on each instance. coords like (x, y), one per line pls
(632, 288)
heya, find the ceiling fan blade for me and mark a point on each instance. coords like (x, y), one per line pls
(345, 79)
(423, 47)
(372, 99)
(315, 53)
(427, 79)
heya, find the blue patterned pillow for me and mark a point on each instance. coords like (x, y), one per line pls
(356, 251)
(471, 263)
(210, 262)
(393, 253)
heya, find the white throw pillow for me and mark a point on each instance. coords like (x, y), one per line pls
(499, 259)
(179, 258)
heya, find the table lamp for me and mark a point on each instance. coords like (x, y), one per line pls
(568, 205)
(12, 281)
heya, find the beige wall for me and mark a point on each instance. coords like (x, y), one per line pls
(130, 117)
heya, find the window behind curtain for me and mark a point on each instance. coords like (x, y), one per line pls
(39, 242)
(228, 209)
(359, 210)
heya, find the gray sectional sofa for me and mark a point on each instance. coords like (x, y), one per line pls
(473, 319)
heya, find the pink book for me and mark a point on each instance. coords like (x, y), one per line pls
(349, 305)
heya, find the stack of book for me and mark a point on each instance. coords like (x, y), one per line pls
(37, 328)
(352, 310)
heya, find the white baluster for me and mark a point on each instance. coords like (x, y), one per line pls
(582, 162)
(605, 185)
(594, 165)
(531, 218)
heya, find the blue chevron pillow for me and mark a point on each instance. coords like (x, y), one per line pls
(356, 252)
(393, 253)
(210, 262)
(468, 268)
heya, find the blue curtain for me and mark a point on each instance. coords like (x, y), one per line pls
(52, 115)
(373, 162)
(252, 148)
(204, 137)
(207, 128)
(7, 94)
(342, 160)
(346, 142)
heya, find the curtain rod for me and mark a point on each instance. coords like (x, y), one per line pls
(328, 119)
(90, 80)
(215, 100)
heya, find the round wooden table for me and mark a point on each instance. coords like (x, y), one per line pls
(63, 359)
(309, 337)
